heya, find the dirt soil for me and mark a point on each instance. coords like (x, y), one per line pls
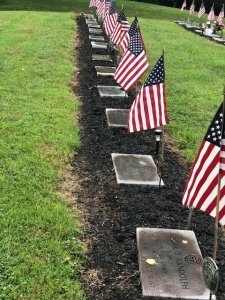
(109, 212)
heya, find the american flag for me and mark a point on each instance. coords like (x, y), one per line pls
(92, 3)
(202, 184)
(222, 147)
(133, 64)
(192, 8)
(120, 29)
(101, 7)
(201, 10)
(149, 109)
(183, 5)
(126, 38)
(110, 19)
(107, 5)
(211, 15)
(221, 15)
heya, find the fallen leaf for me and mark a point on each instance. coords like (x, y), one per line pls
(151, 261)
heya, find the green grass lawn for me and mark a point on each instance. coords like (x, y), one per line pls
(40, 251)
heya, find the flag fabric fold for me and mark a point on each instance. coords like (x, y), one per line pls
(183, 5)
(192, 8)
(93, 3)
(122, 26)
(126, 38)
(202, 184)
(221, 16)
(201, 10)
(211, 15)
(149, 109)
(133, 64)
(101, 7)
(110, 18)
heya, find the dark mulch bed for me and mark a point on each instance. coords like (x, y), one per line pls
(111, 212)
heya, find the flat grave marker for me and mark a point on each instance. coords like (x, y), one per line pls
(89, 16)
(117, 117)
(170, 264)
(111, 91)
(95, 31)
(135, 169)
(219, 39)
(94, 26)
(105, 71)
(94, 21)
(97, 38)
(99, 45)
(101, 57)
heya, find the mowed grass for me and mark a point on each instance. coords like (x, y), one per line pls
(40, 251)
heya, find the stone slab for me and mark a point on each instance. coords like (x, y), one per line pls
(117, 117)
(89, 16)
(97, 38)
(92, 21)
(170, 264)
(95, 31)
(94, 26)
(111, 91)
(135, 169)
(105, 71)
(219, 39)
(101, 57)
(99, 45)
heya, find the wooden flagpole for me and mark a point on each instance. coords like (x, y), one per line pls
(218, 189)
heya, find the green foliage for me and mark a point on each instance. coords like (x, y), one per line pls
(40, 252)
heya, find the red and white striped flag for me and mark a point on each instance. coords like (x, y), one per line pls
(126, 38)
(122, 26)
(110, 19)
(149, 109)
(192, 8)
(101, 8)
(221, 16)
(202, 184)
(211, 15)
(133, 64)
(92, 3)
(201, 10)
(107, 5)
(183, 5)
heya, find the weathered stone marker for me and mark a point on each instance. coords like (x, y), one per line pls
(135, 169)
(117, 117)
(101, 57)
(99, 45)
(111, 91)
(170, 264)
(92, 25)
(95, 31)
(105, 71)
(97, 38)
(93, 21)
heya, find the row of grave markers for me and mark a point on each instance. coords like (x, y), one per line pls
(170, 260)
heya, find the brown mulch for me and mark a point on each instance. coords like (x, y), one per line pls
(110, 213)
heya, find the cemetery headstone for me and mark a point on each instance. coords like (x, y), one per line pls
(117, 117)
(105, 71)
(170, 264)
(111, 91)
(101, 57)
(135, 169)
(99, 45)
(97, 38)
